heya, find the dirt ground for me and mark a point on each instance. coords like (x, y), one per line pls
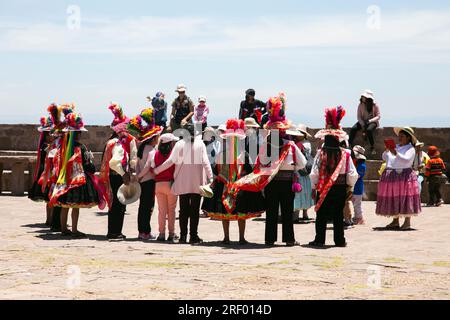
(377, 264)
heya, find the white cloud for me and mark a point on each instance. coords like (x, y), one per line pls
(180, 36)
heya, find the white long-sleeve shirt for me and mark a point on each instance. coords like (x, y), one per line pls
(118, 153)
(288, 163)
(351, 175)
(192, 167)
(404, 158)
(142, 169)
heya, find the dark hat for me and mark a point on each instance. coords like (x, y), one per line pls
(331, 142)
(250, 92)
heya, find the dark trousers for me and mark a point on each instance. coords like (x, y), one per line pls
(278, 194)
(189, 209)
(332, 208)
(116, 213)
(370, 128)
(434, 190)
(146, 204)
(56, 218)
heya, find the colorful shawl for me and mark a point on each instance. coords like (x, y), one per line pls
(255, 181)
(104, 172)
(229, 173)
(327, 181)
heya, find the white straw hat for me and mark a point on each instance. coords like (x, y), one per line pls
(181, 88)
(128, 194)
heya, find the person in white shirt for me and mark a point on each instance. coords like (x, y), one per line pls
(398, 190)
(146, 179)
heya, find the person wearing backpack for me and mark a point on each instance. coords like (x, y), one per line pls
(303, 200)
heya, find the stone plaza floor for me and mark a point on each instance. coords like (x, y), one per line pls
(377, 264)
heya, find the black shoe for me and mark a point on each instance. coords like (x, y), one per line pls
(316, 244)
(292, 244)
(66, 233)
(195, 240)
(162, 238)
(270, 244)
(341, 245)
(79, 235)
(225, 242)
(116, 237)
(243, 242)
(55, 229)
(182, 239)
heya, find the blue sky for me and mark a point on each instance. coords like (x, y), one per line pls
(319, 53)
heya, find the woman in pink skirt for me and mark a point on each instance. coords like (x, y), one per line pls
(398, 189)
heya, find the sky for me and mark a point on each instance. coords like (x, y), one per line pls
(319, 53)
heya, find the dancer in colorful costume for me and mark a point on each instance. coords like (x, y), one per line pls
(118, 164)
(232, 164)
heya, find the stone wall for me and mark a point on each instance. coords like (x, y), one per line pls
(24, 137)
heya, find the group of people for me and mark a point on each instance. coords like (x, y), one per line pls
(257, 163)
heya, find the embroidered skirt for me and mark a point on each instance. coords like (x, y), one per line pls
(85, 196)
(398, 194)
(248, 205)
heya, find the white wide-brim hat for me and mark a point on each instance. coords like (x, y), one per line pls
(340, 134)
(368, 94)
(168, 137)
(302, 128)
(251, 123)
(408, 130)
(359, 152)
(295, 132)
(128, 194)
(181, 88)
(206, 191)
(240, 134)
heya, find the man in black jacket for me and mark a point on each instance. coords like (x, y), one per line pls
(251, 107)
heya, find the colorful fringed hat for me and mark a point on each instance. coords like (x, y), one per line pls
(46, 124)
(74, 122)
(333, 117)
(55, 117)
(120, 122)
(143, 132)
(276, 107)
(234, 128)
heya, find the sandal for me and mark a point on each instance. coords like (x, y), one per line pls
(405, 227)
(393, 226)
(66, 233)
(79, 234)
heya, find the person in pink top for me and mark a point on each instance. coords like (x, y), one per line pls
(192, 170)
(167, 201)
(201, 112)
(368, 119)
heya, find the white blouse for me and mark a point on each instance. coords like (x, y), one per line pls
(404, 158)
(117, 155)
(351, 175)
